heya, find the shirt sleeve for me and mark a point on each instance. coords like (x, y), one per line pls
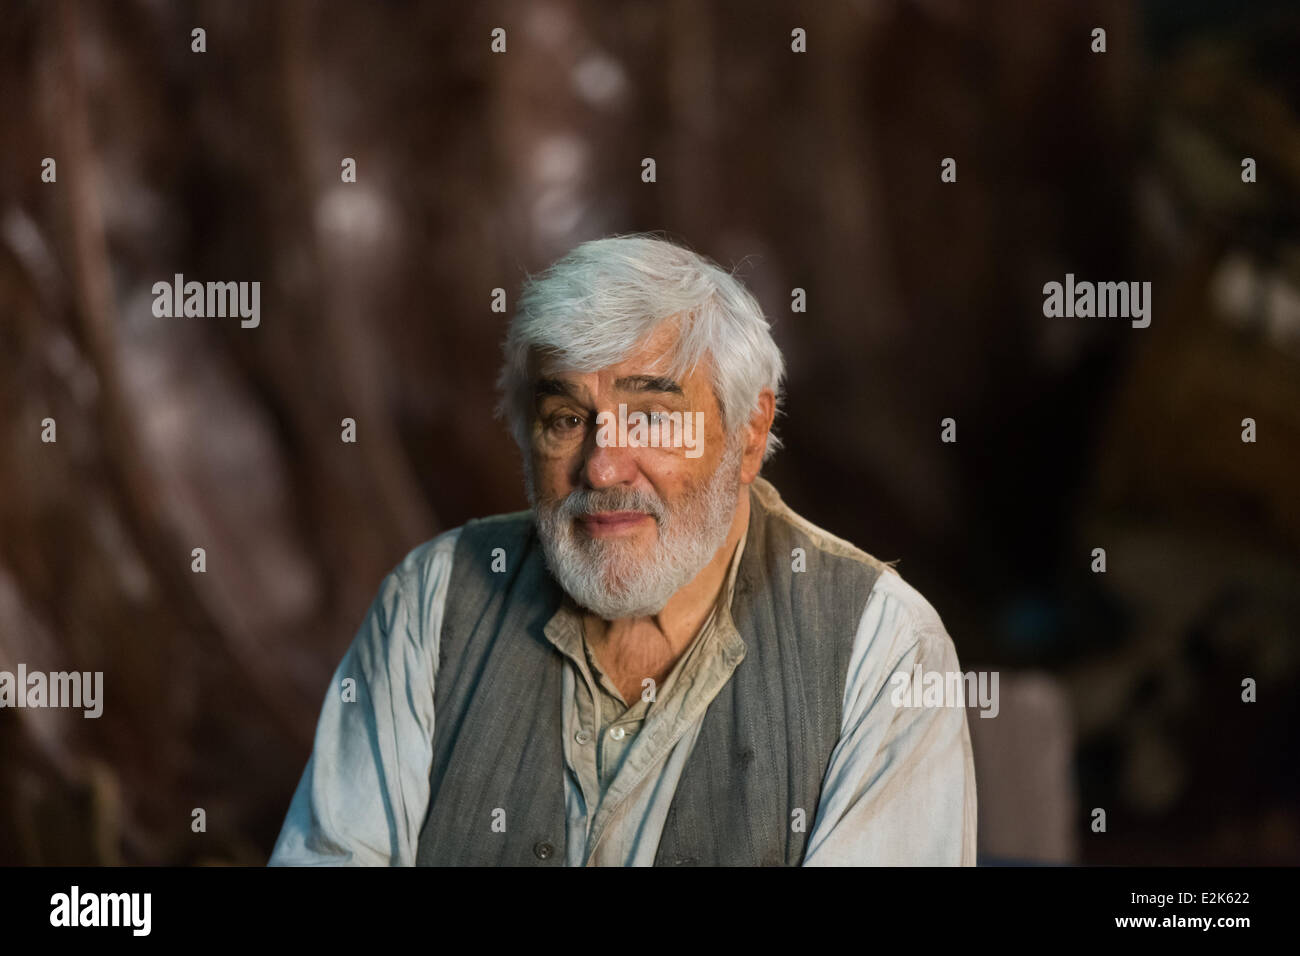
(900, 787)
(362, 798)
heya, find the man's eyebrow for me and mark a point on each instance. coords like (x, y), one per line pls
(648, 383)
(554, 386)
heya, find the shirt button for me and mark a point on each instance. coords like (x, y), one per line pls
(582, 736)
(617, 732)
(543, 850)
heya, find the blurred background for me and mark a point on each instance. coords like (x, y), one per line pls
(1120, 691)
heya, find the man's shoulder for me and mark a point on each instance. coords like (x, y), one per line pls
(910, 617)
(436, 556)
(816, 536)
(893, 598)
(437, 550)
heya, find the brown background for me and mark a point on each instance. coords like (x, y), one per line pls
(818, 171)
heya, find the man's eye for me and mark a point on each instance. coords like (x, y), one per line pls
(565, 423)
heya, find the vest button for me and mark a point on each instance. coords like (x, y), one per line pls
(543, 850)
(582, 736)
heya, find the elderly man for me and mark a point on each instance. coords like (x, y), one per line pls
(660, 663)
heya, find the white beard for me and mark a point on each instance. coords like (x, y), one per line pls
(613, 578)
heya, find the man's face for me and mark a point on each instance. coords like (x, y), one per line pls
(625, 527)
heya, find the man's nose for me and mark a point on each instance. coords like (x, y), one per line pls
(608, 465)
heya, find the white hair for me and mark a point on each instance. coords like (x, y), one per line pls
(591, 308)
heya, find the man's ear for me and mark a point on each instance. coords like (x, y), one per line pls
(756, 432)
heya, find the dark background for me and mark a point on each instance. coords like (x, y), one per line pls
(819, 171)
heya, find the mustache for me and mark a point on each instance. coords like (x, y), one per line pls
(587, 501)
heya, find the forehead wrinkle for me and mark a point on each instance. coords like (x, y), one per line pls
(674, 363)
(648, 383)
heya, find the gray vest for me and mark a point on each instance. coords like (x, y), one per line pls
(762, 751)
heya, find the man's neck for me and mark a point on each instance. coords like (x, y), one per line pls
(639, 647)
